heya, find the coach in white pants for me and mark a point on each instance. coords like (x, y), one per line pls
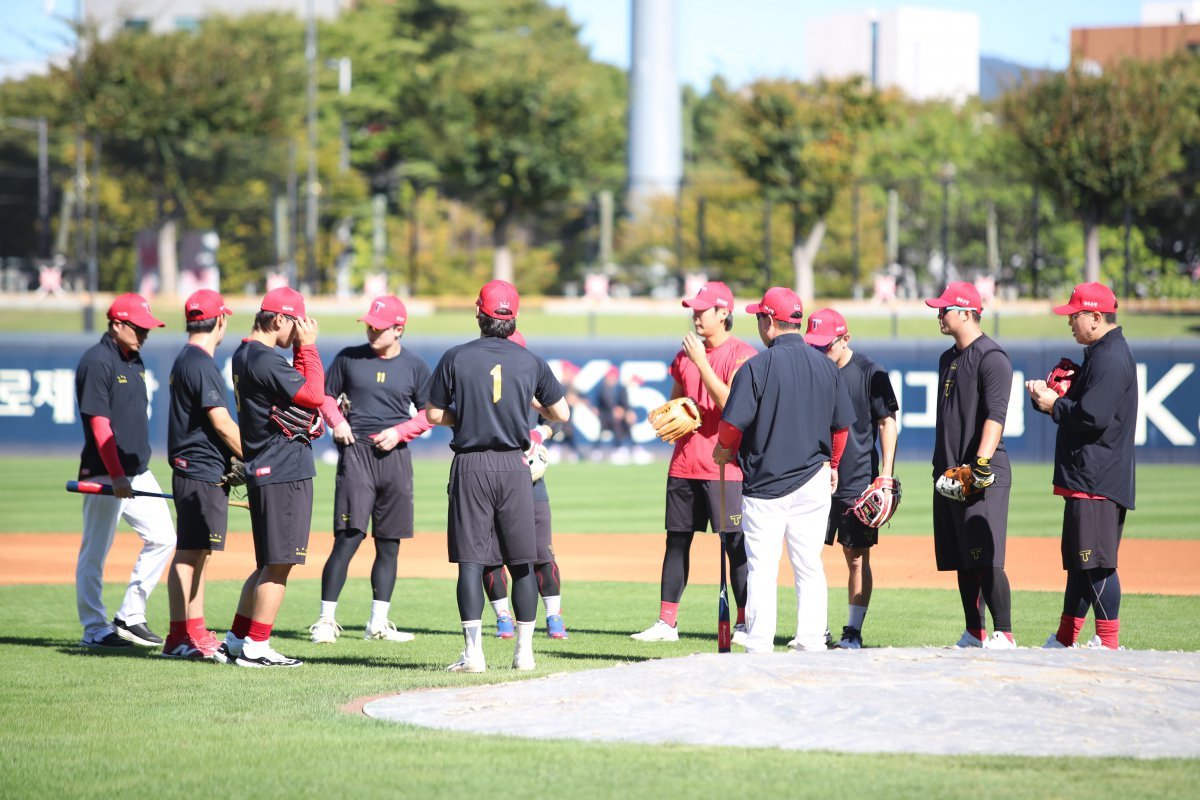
(110, 388)
(786, 422)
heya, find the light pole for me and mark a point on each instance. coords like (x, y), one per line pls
(310, 216)
(947, 177)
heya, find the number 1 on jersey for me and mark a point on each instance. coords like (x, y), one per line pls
(495, 373)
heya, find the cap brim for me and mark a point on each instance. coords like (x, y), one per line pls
(818, 339)
(1066, 310)
(697, 305)
(938, 302)
(754, 308)
(376, 322)
(147, 322)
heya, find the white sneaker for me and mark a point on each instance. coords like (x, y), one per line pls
(967, 640)
(266, 657)
(1000, 641)
(523, 660)
(658, 632)
(472, 662)
(739, 634)
(325, 631)
(1054, 644)
(387, 632)
(1095, 644)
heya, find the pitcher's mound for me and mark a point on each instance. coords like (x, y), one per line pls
(1025, 702)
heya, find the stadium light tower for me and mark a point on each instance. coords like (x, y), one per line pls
(656, 105)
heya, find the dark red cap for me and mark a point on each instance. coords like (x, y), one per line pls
(1089, 297)
(711, 294)
(824, 326)
(204, 304)
(959, 295)
(499, 300)
(284, 300)
(779, 303)
(134, 309)
(519, 338)
(385, 312)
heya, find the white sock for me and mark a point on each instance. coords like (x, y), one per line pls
(525, 637)
(501, 607)
(857, 615)
(471, 631)
(233, 643)
(253, 648)
(379, 612)
(553, 605)
(328, 608)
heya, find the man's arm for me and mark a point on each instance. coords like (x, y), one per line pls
(439, 416)
(226, 428)
(989, 438)
(889, 434)
(558, 412)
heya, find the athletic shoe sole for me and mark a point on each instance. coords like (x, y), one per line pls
(130, 636)
(265, 663)
(223, 656)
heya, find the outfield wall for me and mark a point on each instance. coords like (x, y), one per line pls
(38, 413)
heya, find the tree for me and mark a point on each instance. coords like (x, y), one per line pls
(1101, 141)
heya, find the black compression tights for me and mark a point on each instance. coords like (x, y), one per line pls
(383, 571)
(677, 562)
(1098, 588)
(549, 581)
(992, 584)
(470, 591)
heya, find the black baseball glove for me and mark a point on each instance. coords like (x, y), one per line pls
(236, 475)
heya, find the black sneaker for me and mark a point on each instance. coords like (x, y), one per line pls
(137, 633)
(110, 641)
(266, 658)
(223, 655)
(851, 639)
(829, 643)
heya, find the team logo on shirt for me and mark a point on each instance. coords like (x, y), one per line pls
(262, 471)
(122, 379)
(181, 462)
(950, 378)
(302, 552)
(736, 519)
(976, 552)
(380, 377)
(1084, 555)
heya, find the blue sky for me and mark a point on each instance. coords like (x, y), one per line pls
(741, 39)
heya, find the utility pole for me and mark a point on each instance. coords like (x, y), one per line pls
(310, 216)
(93, 277)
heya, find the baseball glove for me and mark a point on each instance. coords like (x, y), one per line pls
(1059, 379)
(298, 423)
(878, 502)
(675, 419)
(343, 403)
(959, 483)
(538, 459)
(236, 475)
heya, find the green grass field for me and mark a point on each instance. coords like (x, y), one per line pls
(85, 725)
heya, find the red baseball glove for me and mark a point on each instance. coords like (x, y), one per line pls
(878, 502)
(1059, 379)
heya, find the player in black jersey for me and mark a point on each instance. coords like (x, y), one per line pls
(875, 408)
(201, 439)
(380, 384)
(483, 390)
(970, 524)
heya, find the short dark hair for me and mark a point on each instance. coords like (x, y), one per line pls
(264, 320)
(202, 325)
(496, 328)
(790, 327)
(729, 322)
(975, 315)
(1110, 317)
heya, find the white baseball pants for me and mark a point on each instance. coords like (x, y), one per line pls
(799, 519)
(151, 520)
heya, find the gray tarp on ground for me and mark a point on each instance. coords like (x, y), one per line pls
(919, 700)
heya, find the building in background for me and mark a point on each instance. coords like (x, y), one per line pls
(655, 102)
(930, 54)
(1167, 28)
(164, 16)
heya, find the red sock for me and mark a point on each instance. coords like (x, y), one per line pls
(178, 629)
(741, 620)
(668, 612)
(259, 631)
(1068, 629)
(978, 633)
(1110, 632)
(196, 629)
(240, 626)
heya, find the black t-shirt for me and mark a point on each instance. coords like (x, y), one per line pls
(380, 390)
(107, 384)
(786, 401)
(874, 400)
(194, 448)
(490, 383)
(263, 378)
(975, 385)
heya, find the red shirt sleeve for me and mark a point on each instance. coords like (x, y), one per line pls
(839, 446)
(728, 436)
(106, 443)
(307, 362)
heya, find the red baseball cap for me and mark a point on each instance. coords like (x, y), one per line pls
(204, 304)
(134, 309)
(824, 326)
(1089, 297)
(385, 312)
(779, 303)
(958, 295)
(499, 300)
(519, 338)
(713, 293)
(284, 300)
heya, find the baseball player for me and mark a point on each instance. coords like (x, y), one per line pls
(1095, 406)
(786, 420)
(490, 383)
(381, 383)
(703, 370)
(278, 413)
(202, 438)
(875, 409)
(970, 505)
(549, 579)
(110, 388)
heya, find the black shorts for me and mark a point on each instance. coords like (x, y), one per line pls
(693, 505)
(374, 487)
(491, 519)
(971, 534)
(281, 517)
(847, 529)
(541, 526)
(1091, 534)
(201, 513)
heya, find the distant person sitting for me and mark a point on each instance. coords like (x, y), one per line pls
(616, 418)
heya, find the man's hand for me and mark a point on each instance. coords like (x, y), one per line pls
(722, 455)
(386, 439)
(693, 345)
(342, 434)
(1042, 395)
(306, 331)
(122, 488)
(833, 480)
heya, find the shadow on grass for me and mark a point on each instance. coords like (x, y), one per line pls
(303, 635)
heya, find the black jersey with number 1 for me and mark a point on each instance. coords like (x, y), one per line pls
(381, 390)
(490, 383)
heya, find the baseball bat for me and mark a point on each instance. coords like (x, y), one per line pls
(724, 638)
(239, 504)
(91, 487)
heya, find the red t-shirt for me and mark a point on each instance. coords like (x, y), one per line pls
(693, 453)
